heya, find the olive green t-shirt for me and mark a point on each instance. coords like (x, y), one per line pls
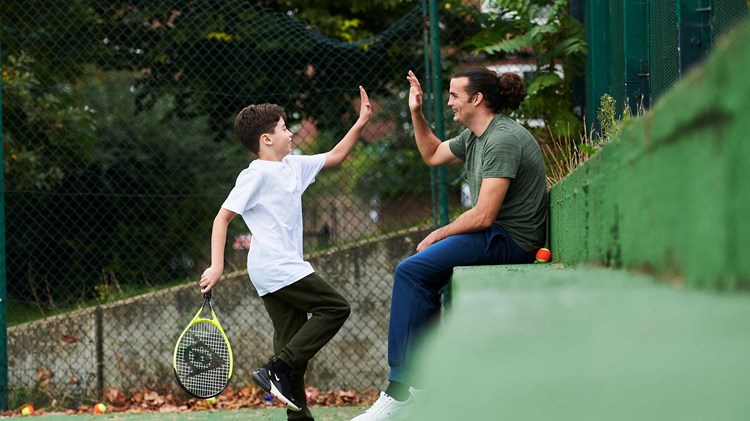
(507, 150)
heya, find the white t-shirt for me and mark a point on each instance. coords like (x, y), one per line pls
(268, 195)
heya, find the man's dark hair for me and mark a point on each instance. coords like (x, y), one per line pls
(504, 92)
(255, 120)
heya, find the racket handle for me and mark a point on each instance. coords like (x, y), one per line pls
(207, 295)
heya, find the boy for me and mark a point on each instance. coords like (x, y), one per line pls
(268, 195)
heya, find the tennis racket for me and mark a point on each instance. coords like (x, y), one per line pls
(202, 358)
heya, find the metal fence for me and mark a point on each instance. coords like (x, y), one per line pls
(121, 190)
(639, 49)
(118, 149)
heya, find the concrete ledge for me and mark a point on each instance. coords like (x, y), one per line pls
(541, 342)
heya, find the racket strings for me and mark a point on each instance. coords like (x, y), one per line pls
(203, 360)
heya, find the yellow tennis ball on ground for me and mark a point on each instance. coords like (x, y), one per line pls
(100, 408)
(211, 400)
(27, 410)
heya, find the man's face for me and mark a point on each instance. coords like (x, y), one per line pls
(459, 100)
(282, 138)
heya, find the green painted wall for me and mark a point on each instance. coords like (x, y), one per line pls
(671, 196)
(540, 343)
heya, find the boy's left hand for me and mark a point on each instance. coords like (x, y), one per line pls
(365, 109)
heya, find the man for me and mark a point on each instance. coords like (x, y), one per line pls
(507, 223)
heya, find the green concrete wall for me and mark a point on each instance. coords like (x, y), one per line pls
(540, 342)
(671, 196)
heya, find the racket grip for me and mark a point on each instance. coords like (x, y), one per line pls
(207, 295)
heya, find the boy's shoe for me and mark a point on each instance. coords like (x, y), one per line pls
(387, 409)
(276, 383)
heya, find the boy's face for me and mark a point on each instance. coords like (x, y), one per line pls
(282, 138)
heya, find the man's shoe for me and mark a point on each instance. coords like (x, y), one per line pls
(387, 409)
(276, 383)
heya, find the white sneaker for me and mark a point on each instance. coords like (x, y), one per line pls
(387, 409)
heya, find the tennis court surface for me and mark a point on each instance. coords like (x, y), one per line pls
(271, 414)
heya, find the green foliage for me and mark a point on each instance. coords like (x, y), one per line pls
(153, 182)
(110, 109)
(36, 121)
(564, 154)
(46, 133)
(544, 32)
(215, 60)
(386, 169)
(346, 20)
(607, 117)
(610, 125)
(159, 174)
(58, 37)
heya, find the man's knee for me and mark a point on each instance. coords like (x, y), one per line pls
(404, 271)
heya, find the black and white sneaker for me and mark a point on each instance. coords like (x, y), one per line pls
(277, 383)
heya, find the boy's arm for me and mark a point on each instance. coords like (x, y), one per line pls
(339, 152)
(211, 276)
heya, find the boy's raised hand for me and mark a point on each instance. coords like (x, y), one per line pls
(365, 109)
(339, 152)
(415, 92)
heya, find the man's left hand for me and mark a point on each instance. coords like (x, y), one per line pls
(432, 238)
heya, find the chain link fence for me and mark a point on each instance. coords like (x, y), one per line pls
(639, 50)
(118, 151)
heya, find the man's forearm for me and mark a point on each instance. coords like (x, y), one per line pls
(469, 221)
(427, 142)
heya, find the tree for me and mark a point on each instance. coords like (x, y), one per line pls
(45, 50)
(543, 31)
(216, 57)
(346, 20)
(35, 121)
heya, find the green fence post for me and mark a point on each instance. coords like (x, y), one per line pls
(437, 88)
(694, 32)
(577, 11)
(439, 125)
(598, 60)
(428, 110)
(637, 66)
(3, 295)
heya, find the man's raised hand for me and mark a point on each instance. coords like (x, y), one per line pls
(415, 92)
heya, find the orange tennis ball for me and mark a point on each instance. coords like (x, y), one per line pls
(543, 255)
(27, 409)
(100, 408)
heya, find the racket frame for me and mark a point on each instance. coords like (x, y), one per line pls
(215, 322)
